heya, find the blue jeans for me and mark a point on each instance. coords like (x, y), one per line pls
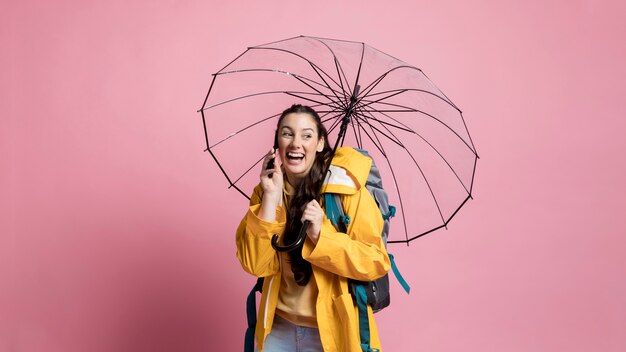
(287, 337)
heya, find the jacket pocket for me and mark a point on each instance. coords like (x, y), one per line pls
(349, 335)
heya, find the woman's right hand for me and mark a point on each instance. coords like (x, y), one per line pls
(272, 186)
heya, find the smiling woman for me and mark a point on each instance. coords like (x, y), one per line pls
(305, 292)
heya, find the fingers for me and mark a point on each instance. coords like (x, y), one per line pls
(313, 212)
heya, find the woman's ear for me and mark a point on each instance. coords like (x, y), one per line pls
(320, 145)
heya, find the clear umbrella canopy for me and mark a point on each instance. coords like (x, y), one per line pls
(415, 134)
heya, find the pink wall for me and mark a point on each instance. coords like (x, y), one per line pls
(117, 230)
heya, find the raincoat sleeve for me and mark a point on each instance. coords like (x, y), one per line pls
(358, 255)
(253, 238)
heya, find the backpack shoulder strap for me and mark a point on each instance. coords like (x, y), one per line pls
(335, 213)
(248, 345)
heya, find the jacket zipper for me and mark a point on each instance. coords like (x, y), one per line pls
(267, 303)
(269, 291)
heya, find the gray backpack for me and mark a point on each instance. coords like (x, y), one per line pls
(377, 291)
(373, 293)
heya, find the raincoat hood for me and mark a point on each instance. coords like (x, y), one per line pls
(348, 172)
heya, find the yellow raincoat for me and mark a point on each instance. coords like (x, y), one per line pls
(359, 255)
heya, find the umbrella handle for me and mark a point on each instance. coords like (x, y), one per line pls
(297, 243)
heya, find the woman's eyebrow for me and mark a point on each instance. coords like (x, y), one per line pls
(307, 129)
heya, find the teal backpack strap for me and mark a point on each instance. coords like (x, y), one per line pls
(248, 344)
(397, 274)
(390, 214)
(364, 321)
(334, 211)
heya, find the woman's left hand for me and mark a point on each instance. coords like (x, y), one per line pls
(314, 213)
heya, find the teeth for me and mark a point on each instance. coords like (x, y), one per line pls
(295, 155)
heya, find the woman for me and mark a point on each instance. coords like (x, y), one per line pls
(306, 305)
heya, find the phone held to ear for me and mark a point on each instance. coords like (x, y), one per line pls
(270, 164)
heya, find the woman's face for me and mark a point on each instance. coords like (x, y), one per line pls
(298, 143)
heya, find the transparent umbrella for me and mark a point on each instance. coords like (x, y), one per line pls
(416, 135)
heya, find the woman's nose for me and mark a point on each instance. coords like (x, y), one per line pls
(296, 141)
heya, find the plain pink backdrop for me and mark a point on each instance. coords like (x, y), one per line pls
(117, 231)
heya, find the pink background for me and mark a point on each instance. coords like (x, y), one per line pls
(117, 231)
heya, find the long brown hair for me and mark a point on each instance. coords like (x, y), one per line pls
(305, 191)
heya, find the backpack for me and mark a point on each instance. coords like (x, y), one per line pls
(373, 293)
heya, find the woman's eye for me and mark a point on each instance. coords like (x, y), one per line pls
(307, 136)
(286, 134)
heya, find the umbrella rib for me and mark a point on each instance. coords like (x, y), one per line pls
(206, 133)
(338, 68)
(207, 94)
(340, 72)
(356, 130)
(342, 78)
(323, 116)
(246, 172)
(462, 119)
(393, 175)
(394, 139)
(335, 123)
(256, 122)
(429, 144)
(358, 72)
(409, 109)
(376, 142)
(445, 224)
(243, 129)
(277, 41)
(440, 91)
(296, 95)
(378, 145)
(297, 55)
(235, 59)
(225, 174)
(327, 85)
(404, 90)
(422, 172)
(253, 95)
(326, 96)
(295, 75)
(377, 81)
(400, 125)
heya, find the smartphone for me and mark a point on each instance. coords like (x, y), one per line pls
(270, 164)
